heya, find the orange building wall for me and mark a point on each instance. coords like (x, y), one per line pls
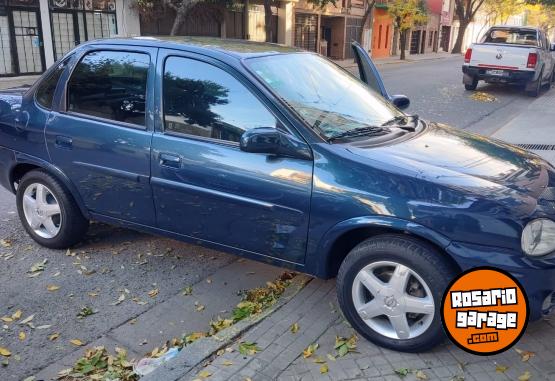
(382, 31)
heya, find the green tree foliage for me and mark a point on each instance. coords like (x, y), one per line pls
(406, 14)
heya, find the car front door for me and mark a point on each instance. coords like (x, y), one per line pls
(99, 135)
(204, 185)
(369, 74)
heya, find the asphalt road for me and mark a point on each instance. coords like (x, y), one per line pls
(436, 92)
(116, 261)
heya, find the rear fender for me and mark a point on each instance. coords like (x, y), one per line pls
(21, 158)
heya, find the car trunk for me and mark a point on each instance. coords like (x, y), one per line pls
(501, 56)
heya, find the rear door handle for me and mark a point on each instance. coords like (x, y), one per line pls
(64, 142)
(170, 160)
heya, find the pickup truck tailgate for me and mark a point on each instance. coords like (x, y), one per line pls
(500, 56)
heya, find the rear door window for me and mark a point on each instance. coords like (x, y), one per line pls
(110, 85)
(45, 92)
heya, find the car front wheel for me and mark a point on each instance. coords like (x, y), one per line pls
(390, 289)
(48, 211)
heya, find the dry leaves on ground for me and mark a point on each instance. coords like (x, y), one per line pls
(481, 96)
(525, 355)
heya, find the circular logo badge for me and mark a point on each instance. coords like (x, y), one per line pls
(485, 311)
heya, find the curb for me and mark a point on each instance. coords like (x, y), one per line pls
(202, 349)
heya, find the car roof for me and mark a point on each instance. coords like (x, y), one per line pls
(515, 27)
(233, 47)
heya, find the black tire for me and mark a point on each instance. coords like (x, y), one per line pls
(417, 255)
(472, 86)
(72, 226)
(536, 91)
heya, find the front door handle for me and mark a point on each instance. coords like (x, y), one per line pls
(170, 160)
(64, 142)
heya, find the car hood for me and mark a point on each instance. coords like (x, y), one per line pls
(463, 160)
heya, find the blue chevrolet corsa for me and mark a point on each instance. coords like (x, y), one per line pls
(278, 155)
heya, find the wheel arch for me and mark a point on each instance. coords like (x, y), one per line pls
(343, 237)
(25, 163)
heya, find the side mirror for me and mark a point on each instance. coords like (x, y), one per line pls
(272, 141)
(400, 101)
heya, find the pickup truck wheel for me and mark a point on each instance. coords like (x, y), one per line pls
(472, 86)
(48, 211)
(536, 87)
(390, 289)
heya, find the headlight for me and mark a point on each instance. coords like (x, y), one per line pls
(538, 237)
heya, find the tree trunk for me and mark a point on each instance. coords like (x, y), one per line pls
(365, 19)
(394, 47)
(457, 48)
(268, 20)
(180, 16)
(403, 44)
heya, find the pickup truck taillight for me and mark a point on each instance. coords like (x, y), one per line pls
(468, 55)
(532, 60)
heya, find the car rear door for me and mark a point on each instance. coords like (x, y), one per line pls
(99, 134)
(204, 186)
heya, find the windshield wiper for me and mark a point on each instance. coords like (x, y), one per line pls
(361, 131)
(405, 122)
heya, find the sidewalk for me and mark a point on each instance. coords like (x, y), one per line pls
(534, 129)
(410, 58)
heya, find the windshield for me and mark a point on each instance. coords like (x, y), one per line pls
(511, 36)
(328, 98)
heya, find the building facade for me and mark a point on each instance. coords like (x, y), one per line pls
(35, 33)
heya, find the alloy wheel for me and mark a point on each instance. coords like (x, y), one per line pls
(393, 300)
(42, 210)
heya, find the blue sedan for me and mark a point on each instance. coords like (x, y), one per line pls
(281, 156)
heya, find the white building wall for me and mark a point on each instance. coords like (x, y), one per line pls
(46, 33)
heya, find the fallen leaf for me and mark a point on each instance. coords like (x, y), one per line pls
(5, 352)
(5, 243)
(324, 368)
(481, 96)
(246, 348)
(204, 374)
(52, 287)
(525, 376)
(208, 280)
(309, 351)
(22, 335)
(187, 291)
(525, 355)
(227, 363)
(30, 378)
(295, 327)
(402, 372)
(27, 320)
(199, 307)
(38, 267)
(6, 319)
(331, 357)
(85, 311)
(420, 375)
(153, 293)
(17, 315)
(120, 299)
(54, 336)
(319, 360)
(501, 368)
(46, 326)
(77, 342)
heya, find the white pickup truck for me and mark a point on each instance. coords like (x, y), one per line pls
(507, 54)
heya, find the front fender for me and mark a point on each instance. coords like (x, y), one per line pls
(323, 256)
(21, 158)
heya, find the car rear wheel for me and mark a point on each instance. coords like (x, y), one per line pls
(48, 211)
(390, 289)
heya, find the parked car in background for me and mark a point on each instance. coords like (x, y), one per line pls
(281, 156)
(506, 54)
